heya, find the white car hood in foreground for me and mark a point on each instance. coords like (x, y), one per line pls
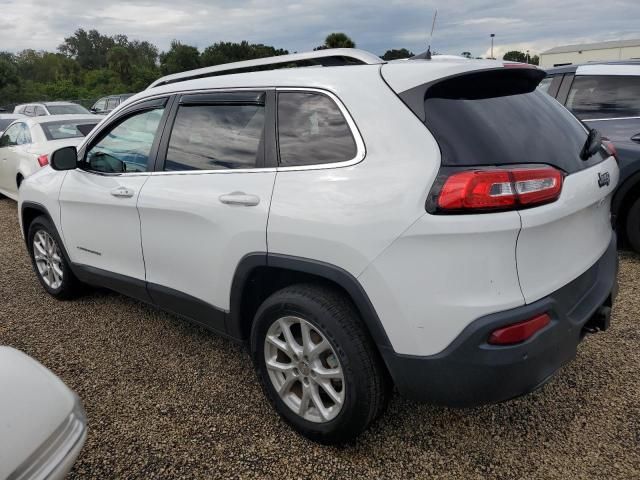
(34, 403)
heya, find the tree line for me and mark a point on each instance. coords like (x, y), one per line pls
(88, 65)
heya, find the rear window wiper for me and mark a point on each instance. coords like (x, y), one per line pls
(591, 145)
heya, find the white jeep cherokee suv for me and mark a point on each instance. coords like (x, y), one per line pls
(440, 226)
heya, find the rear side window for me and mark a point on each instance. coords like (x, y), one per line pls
(499, 117)
(216, 137)
(312, 130)
(604, 96)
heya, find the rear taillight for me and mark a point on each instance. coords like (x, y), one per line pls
(43, 160)
(610, 148)
(498, 189)
(519, 332)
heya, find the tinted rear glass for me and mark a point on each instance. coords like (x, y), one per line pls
(500, 117)
(66, 109)
(5, 122)
(60, 130)
(604, 96)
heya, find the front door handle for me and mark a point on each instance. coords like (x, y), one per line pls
(636, 138)
(239, 198)
(122, 192)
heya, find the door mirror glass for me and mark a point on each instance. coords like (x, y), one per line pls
(64, 159)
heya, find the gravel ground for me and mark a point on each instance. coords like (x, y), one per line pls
(166, 399)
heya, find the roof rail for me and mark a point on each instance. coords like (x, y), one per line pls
(328, 57)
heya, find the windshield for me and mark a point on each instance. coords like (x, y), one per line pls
(499, 117)
(66, 109)
(60, 130)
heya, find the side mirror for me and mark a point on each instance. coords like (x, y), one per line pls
(64, 159)
(93, 110)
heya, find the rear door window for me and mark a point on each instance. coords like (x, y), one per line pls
(500, 117)
(312, 130)
(600, 96)
(216, 137)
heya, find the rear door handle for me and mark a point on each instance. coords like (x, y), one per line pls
(122, 192)
(239, 198)
(636, 138)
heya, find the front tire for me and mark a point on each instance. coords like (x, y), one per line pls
(49, 262)
(632, 226)
(317, 364)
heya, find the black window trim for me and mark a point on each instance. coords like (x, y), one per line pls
(565, 88)
(152, 103)
(355, 133)
(556, 80)
(245, 96)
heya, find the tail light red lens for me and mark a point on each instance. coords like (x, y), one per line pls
(500, 189)
(43, 160)
(611, 148)
(519, 332)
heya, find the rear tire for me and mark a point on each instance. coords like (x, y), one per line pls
(632, 226)
(319, 355)
(49, 261)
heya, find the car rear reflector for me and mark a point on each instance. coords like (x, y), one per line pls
(499, 189)
(519, 332)
(43, 160)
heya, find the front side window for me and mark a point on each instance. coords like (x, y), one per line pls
(312, 130)
(112, 103)
(100, 105)
(127, 146)
(40, 111)
(215, 137)
(599, 96)
(24, 135)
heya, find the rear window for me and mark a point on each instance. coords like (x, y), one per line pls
(596, 96)
(499, 117)
(61, 130)
(5, 122)
(66, 109)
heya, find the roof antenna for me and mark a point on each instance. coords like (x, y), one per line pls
(427, 55)
(433, 26)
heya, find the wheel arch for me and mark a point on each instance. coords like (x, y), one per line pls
(29, 211)
(258, 275)
(625, 195)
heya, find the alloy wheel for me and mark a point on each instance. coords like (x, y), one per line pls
(304, 369)
(48, 258)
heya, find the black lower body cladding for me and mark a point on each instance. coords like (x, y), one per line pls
(471, 372)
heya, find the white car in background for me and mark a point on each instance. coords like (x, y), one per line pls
(50, 108)
(42, 422)
(26, 144)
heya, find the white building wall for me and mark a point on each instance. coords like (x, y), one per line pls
(550, 59)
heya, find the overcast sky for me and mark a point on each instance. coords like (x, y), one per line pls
(299, 25)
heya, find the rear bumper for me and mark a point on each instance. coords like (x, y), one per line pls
(470, 372)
